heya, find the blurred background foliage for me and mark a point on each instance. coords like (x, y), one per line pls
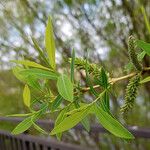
(101, 26)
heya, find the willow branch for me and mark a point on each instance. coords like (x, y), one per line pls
(114, 80)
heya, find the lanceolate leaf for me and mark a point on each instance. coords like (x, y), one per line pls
(50, 43)
(128, 67)
(105, 102)
(38, 128)
(111, 124)
(26, 123)
(56, 102)
(143, 45)
(30, 64)
(16, 71)
(104, 78)
(20, 115)
(39, 113)
(59, 119)
(23, 126)
(30, 80)
(85, 121)
(41, 53)
(39, 74)
(145, 18)
(65, 87)
(72, 65)
(88, 80)
(75, 110)
(141, 55)
(70, 121)
(147, 79)
(86, 124)
(26, 96)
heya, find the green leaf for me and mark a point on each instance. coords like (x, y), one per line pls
(85, 121)
(105, 102)
(16, 71)
(39, 113)
(141, 55)
(37, 47)
(147, 79)
(145, 18)
(26, 96)
(50, 43)
(143, 45)
(104, 78)
(30, 64)
(39, 74)
(128, 67)
(73, 111)
(59, 119)
(86, 124)
(23, 126)
(89, 81)
(72, 65)
(111, 124)
(19, 115)
(65, 87)
(31, 81)
(26, 79)
(38, 128)
(70, 121)
(26, 123)
(56, 102)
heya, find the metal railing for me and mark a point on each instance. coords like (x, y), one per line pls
(29, 142)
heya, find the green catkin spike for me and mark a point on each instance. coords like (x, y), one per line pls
(132, 53)
(131, 93)
(92, 68)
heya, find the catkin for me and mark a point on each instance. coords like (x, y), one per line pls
(81, 64)
(132, 53)
(131, 93)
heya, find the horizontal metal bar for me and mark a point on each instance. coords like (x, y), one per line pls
(138, 132)
(43, 141)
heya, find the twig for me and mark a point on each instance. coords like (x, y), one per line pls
(114, 80)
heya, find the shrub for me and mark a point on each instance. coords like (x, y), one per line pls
(68, 99)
